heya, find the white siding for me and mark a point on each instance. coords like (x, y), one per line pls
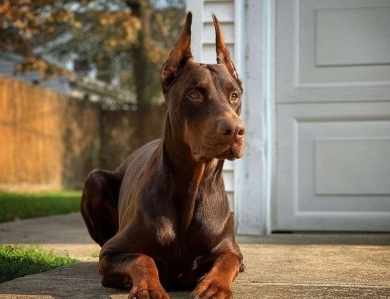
(203, 36)
(224, 11)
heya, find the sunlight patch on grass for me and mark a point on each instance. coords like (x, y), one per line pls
(16, 261)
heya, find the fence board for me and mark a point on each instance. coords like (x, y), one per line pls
(50, 141)
(30, 137)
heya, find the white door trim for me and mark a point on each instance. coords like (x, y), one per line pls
(254, 171)
(270, 111)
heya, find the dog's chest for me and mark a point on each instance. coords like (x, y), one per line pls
(204, 227)
(185, 258)
(184, 262)
(201, 237)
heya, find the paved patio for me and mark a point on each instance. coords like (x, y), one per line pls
(278, 266)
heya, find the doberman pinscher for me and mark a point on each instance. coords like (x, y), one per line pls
(163, 217)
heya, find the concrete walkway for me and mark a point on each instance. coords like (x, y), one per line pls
(278, 266)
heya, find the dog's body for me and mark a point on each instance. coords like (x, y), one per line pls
(163, 217)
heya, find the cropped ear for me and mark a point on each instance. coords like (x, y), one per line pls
(223, 56)
(179, 56)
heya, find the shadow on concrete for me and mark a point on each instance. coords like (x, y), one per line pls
(80, 280)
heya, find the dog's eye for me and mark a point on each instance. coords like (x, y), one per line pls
(234, 97)
(195, 96)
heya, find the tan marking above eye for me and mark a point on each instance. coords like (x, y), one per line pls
(203, 84)
(229, 85)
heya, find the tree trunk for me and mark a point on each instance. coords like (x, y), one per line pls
(141, 65)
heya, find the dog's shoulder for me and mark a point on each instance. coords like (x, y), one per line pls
(140, 156)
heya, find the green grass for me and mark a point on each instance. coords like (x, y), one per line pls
(16, 261)
(15, 206)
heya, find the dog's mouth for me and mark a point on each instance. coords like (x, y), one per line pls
(232, 152)
(200, 158)
(228, 155)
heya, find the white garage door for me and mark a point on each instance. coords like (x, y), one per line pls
(332, 116)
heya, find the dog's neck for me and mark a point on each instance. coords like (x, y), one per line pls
(188, 175)
(178, 152)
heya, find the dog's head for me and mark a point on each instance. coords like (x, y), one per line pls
(204, 100)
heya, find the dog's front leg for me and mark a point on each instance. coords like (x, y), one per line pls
(139, 270)
(218, 282)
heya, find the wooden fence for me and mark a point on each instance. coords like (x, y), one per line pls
(51, 141)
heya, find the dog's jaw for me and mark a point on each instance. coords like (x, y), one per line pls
(230, 152)
(233, 153)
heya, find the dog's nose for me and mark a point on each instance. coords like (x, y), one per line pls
(229, 128)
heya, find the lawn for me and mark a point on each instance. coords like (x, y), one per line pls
(14, 206)
(16, 261)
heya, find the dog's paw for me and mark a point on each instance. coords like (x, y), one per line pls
(148, 292)
(211, 289)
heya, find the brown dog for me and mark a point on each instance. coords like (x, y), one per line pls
(163, 217)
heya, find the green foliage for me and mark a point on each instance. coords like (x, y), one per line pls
(122, 40)
(37, 204)
(25, 24)
(16, 261)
